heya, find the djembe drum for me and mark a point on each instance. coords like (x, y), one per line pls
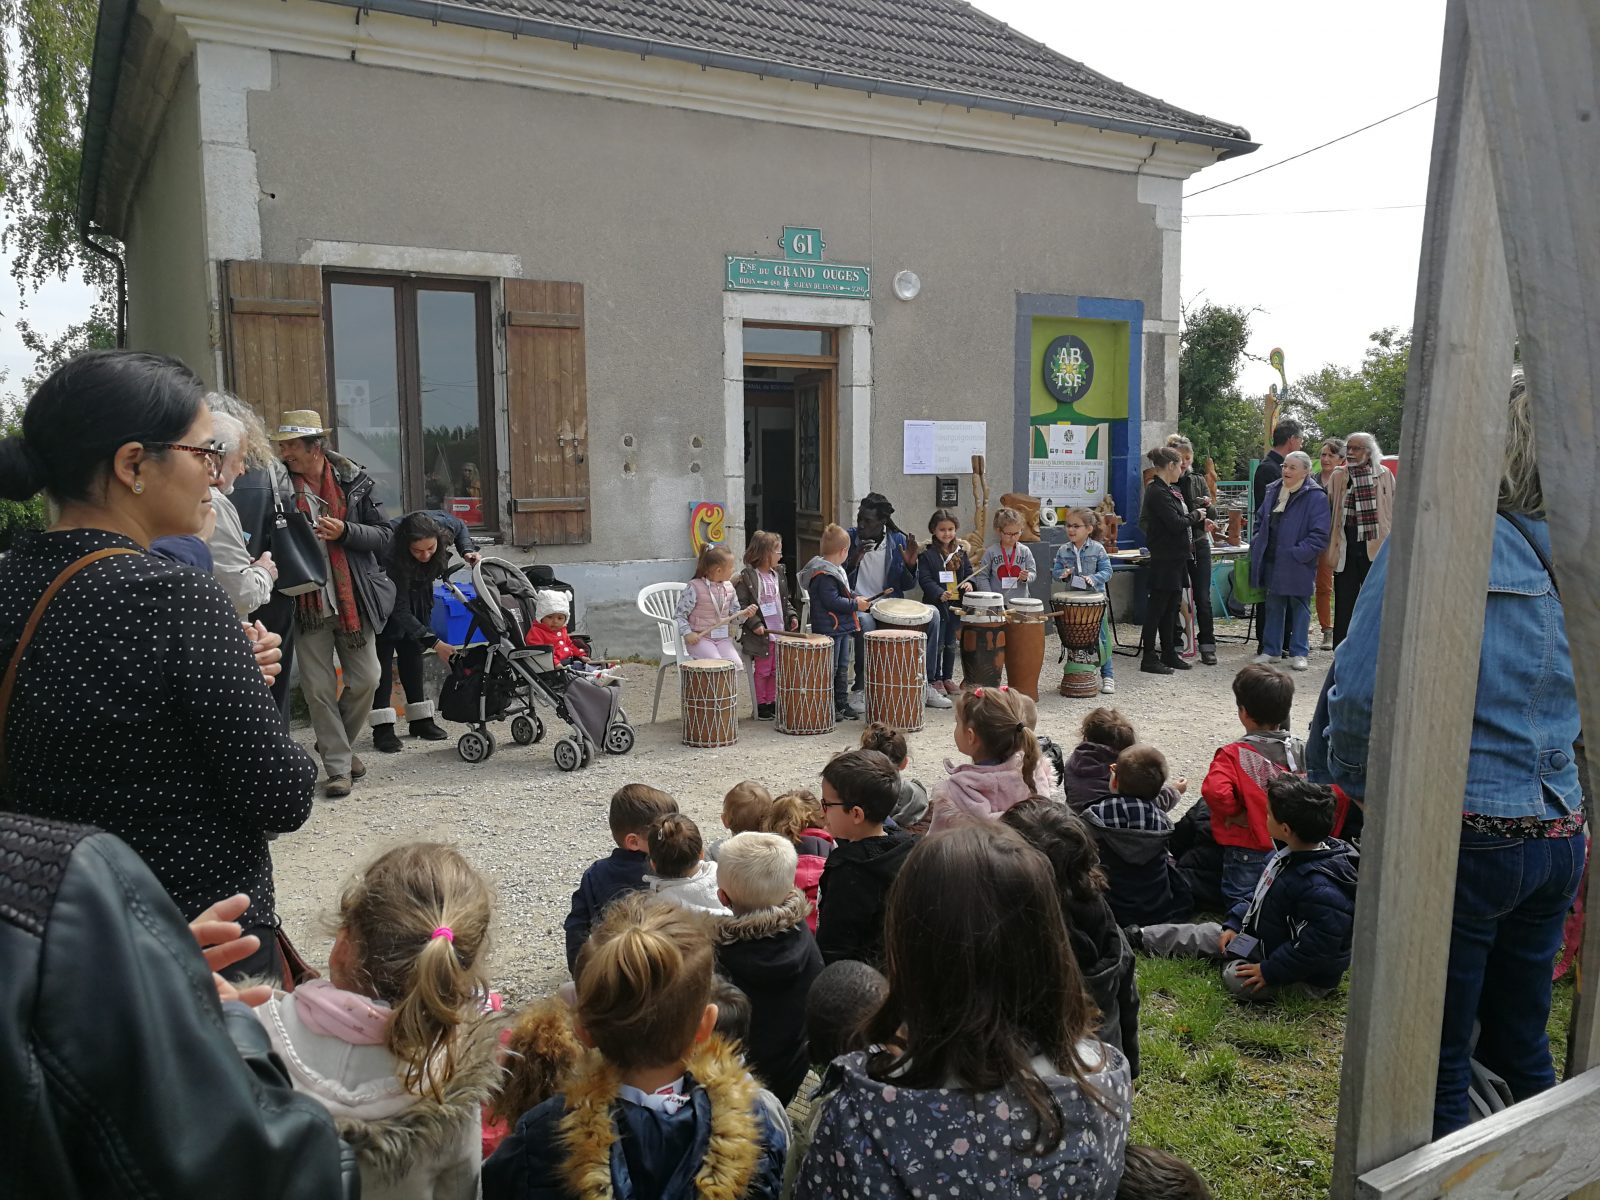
(1024, 651)
(804, 670)
(983, 647)
(1080, 615)
(710, 688)
(895, 678)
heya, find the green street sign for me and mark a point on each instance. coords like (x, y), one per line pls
(802, 245)
(798, 278)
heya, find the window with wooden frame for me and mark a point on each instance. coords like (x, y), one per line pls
(411, 385)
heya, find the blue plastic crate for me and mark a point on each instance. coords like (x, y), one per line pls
(450, 617)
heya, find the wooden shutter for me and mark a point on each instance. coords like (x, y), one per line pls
(277, 355)
(547, 399)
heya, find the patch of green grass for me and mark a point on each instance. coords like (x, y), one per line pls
(1248, 1094)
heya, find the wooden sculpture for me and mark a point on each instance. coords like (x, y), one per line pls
(1028, 508)
(980, 514)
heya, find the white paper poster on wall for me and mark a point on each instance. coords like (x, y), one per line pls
(943, 447)
(1074, 443)
(1067, 484)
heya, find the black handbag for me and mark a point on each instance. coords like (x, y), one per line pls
(296, 551)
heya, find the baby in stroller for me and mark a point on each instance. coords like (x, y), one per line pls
(551, 611)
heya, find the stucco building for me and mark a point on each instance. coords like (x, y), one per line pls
(574, 267)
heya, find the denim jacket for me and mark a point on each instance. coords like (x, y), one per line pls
(1092, 562)
(1521, 760)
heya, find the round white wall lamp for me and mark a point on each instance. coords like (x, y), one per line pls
(907, 285)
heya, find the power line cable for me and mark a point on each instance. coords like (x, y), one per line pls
(1313, 149)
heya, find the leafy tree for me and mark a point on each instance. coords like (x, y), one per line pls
(15, 518)
(1370, 398)
(1223, 423)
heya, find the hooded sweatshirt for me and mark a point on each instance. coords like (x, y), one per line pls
(1146, 886)
(1086, 779)
(771, 957)
(982, 791)
(411, 1147)
(697, 891)
(1235, 788)
(911, 809)
(833, 605)
(854, 893)
(873, 1137)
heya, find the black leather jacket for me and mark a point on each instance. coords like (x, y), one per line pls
(120, 1073)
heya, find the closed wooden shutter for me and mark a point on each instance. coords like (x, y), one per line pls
(276, 351)
(548, 408)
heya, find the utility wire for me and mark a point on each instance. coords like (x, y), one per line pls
(1313, 149)
(1301, 212)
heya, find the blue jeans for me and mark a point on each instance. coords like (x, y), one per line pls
(1298, 610)
(1241, 871)
(1512, 897)
(841, 669)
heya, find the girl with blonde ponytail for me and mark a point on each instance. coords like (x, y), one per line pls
(994, 730)
(393, 1043)
(688, 1115)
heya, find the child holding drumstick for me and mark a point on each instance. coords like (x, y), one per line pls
(1084, 566)
(708, 607)
(761, 587)
(943, 570)
(1007, 568)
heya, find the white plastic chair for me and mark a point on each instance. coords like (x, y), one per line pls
(659, 602)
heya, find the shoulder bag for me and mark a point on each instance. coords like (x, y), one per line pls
(296, 551)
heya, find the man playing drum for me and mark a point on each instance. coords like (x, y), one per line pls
(883, 563)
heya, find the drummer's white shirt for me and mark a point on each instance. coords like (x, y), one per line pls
(872, 570)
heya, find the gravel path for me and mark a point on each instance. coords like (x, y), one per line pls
(533, 830)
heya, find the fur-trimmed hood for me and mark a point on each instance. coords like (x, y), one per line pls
(764, 922)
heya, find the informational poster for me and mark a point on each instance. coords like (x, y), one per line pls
(943, 447)
(1067, 484)
(1074, 443)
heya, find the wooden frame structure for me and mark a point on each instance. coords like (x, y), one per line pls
(1511, 248)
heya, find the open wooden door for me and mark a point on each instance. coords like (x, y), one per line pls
(816, 448)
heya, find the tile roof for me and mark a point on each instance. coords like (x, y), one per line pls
(944, 46)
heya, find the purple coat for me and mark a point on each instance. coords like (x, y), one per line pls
(1302, 535)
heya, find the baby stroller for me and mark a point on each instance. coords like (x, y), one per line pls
(504, 678)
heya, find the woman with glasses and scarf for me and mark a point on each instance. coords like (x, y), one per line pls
(1361, 497)
(137, 703)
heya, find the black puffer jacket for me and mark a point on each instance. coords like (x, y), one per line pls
(120, 1073)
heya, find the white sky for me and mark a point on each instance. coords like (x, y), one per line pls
(1294, 76)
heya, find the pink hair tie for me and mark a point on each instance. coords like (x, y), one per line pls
(445, 932)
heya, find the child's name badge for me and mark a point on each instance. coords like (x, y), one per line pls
(1008, 582)
(719, 633)
(772, 610)
(1079, 582)
(947, 576)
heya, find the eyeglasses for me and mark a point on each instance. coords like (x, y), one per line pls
(836, 804)
(214, 455)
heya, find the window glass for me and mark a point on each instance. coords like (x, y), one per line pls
(453, 457)
(366, 385)
(761, 340)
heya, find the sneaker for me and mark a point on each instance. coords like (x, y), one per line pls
(1108, 686)
(337, 787)
(357, 767)
(857, 702)
(846, 714)
(934, 698)
(1327, 639)
(1178, 664)
(766, 712)
(384, 740)
(1155, 666)
(1299, 664)
(1263, 658)
(1135, 936)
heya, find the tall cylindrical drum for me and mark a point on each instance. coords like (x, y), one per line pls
(1080, 617)
(895, 677)
(1024, 652)
(983, 649)
(804, 669)
(710, 689)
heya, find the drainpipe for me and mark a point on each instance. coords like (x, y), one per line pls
(121, 266)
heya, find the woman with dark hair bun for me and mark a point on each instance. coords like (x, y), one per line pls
(136, 701)
(1168, 527)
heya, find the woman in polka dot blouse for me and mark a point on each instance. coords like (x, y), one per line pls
(988, 1079)
(139, 706)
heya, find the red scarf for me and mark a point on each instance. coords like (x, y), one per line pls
(333, 505)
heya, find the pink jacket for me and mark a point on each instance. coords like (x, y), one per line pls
(973, 792)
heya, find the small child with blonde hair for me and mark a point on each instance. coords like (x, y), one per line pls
(660, 1105)
(744, 810)
(835, 610)
(798, 816)
(708, 608)
(1006, 768)
(392, 1043)
(1007, 567)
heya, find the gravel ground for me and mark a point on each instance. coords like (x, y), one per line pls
(533, 830)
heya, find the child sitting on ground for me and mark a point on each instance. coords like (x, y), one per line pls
(1006, 767)
(798, 816)
(392, 1043)
(634, 808)
(1086, 780)
(663, 1101)
(1104, 958)
(859, 790)
(679, 869)
(835, 611)
(1151, 1174)
(744, 810)
(540, 1049)
(707, 608)
(1234, 791)
(1295, 934)
(1132, 832)
(733, 1027)
(768, 952)
(911, 809)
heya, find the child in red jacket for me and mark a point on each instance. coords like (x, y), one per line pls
(798, 816)
(1235, 788)
(550, 628)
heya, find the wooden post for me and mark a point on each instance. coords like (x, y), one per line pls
(1455, 416)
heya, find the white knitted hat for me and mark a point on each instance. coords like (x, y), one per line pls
(548, 602)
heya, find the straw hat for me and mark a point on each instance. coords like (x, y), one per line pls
(299, 423)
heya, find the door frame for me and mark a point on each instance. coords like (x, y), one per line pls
(851, 458)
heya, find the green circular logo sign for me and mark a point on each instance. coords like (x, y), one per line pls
(1068, 369)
